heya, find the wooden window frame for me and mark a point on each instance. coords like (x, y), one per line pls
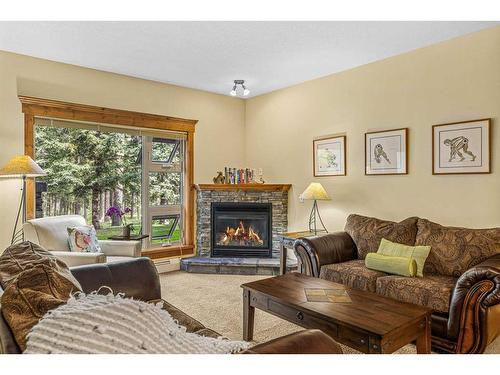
(38, 107)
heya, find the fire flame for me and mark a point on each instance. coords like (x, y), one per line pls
(241, 235)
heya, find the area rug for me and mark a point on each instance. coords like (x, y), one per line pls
(216, 301)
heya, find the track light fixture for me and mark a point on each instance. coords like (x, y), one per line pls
(239, 82)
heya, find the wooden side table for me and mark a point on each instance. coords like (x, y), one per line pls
(287, 240)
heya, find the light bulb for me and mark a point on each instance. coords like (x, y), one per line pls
(246, 92)
(232, 92)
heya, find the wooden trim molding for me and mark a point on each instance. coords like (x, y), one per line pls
(255, 187)
(38, 107)
(82, 112)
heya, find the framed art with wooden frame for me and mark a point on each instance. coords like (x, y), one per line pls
(386, 152)
(461, 147)
(329, 156)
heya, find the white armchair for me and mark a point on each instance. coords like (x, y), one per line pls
(51, 233)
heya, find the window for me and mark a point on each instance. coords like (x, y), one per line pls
(132, 123)
(163, 182)
(113, 177)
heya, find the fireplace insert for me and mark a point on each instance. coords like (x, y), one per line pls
(241, 229)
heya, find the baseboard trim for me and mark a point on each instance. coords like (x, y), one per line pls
(167, 265)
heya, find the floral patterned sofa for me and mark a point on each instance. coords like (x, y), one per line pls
(461, 280)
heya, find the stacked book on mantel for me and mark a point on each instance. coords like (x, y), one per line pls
(242, 176)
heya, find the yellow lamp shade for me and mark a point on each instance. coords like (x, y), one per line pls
(315, 191)
(21, 166)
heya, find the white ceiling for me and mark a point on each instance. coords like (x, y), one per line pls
(210, 55)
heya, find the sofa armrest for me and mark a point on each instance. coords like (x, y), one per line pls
(475, 302)
(121, 248)
(311, 341)
(73, 259)
(136, 278)
(315, 252)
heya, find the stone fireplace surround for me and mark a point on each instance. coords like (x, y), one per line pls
(276, 194)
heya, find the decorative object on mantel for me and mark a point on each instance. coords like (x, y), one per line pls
(461, 147)
(21, 167)
(250, 187)
(219, 179)
(315, 192)
(235, 176)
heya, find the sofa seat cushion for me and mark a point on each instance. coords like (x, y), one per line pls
(367, 232)
(454, 250)
(430, 291)
(353, 274)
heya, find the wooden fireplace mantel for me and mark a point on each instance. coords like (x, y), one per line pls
(246, 187)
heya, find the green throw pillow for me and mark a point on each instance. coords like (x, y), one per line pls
(419, 253)
(394, 265)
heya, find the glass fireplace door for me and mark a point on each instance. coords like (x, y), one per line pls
(163, 181)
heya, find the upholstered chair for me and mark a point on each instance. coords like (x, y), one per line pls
(51, 233)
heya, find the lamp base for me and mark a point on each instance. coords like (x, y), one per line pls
(312, 220)
(18, 235)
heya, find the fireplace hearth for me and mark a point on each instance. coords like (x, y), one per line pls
(241, 229)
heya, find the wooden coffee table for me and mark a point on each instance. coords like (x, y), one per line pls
(370, 323)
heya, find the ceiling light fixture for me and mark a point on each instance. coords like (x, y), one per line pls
(239, 82)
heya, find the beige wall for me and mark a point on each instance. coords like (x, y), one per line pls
(452, 81)
(217, 114)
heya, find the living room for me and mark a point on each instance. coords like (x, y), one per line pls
(295, 187)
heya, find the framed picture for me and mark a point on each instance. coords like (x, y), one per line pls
(386, 152)
(461, 147)
(329, 156)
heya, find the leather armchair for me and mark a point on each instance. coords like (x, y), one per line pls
(473, 320)
(51, 233)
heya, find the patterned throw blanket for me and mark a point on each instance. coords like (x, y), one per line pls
(111, 324)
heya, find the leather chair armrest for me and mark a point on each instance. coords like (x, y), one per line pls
(315, 252)
(476, 292)
(73, 259)
(121, 248)
(311, 341)
(136, 278)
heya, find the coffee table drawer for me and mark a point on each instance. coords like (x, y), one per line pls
(301, 318)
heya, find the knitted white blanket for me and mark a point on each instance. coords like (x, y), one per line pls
(112, 324)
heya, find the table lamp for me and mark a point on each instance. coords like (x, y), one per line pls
(21, 167)
(316, 192)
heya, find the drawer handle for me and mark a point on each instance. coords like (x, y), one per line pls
(362, 341)
(300, 316)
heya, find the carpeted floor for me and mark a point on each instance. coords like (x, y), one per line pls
(216, 301)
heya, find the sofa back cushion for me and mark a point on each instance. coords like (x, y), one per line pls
(52, 232)
(454, 250)
(367, 232)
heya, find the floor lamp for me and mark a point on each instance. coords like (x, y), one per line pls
(21, 167)
(316, 192)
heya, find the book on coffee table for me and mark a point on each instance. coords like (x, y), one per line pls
(339, 295)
